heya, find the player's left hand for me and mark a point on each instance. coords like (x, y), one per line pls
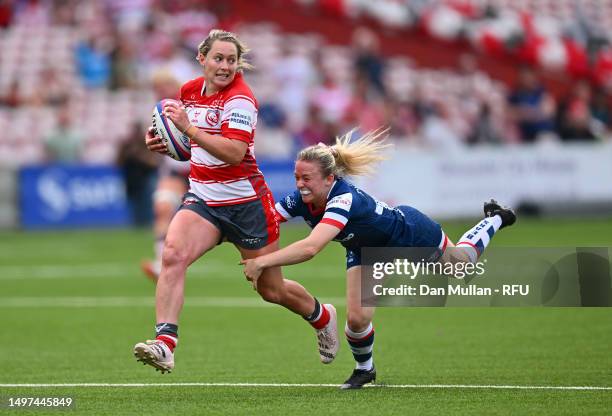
(177, 114)
(252, 271)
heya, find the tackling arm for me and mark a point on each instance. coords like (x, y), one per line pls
(302, 250)
(298, 252)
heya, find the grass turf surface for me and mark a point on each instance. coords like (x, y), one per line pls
(474, 346)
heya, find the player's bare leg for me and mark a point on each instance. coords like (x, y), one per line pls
(274, 288)
(189, 237)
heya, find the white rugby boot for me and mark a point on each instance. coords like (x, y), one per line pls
(327, 337)
(156, 354)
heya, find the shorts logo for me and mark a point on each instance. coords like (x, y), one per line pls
(212, 117)
(190, 200)
(251, 241)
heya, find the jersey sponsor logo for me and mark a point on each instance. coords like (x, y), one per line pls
(241, 120)
(290, 202)
(212, 117)
(343, 201)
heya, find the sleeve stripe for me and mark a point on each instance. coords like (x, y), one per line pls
(335, 217)
(334, 223)
(282, 211)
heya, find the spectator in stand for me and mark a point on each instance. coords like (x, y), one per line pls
(331, 98)
(484, 130)
(366, 111)
(173, 60)
(436, 130)
(294, 80)
(404, 120)
(574, 115)
(531, 106)
(369, 64)
(125, 71)
(64, 144)
(316, 130)
(93, 61)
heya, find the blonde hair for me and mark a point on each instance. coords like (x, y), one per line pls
(349, 159)
(224, 36)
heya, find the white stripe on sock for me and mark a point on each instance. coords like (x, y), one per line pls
(366, 365)
(357, 335)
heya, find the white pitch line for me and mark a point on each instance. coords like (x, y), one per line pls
(118, 302)
(206, 269)
(277, 385)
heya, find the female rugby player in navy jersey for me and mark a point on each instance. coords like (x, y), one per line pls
(337, 210)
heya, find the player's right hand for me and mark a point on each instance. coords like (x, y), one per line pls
(154, 143)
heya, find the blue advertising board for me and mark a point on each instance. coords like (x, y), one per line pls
(279, 176)
(71, 196)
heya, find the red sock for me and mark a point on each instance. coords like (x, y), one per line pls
(168, 340)
(322, 320)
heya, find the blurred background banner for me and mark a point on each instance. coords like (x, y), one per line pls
(55, 196)
(550, 179)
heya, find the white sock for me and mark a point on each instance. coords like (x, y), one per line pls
(366, 365)
(478, 237)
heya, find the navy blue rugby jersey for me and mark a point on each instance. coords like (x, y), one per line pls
(363, 221)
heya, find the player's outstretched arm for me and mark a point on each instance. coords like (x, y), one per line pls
(298, 252)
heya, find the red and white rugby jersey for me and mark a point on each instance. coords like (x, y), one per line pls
(231, 113)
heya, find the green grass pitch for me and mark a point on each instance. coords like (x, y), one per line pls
(74, 303)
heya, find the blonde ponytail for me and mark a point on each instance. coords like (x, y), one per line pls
(346, 158)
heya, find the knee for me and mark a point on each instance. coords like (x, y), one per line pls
(270, 294)
(357, 322)
(174, 256)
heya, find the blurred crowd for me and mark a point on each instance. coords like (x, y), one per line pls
(77, 80)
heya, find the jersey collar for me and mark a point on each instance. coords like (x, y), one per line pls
(203, 90)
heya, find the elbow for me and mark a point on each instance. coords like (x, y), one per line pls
(234, 161)
(310, 251)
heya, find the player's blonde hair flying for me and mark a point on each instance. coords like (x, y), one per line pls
(346, 158)
(224, 36)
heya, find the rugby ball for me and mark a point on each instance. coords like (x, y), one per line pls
(176, 142)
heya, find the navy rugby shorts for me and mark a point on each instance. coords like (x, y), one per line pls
(419, 231)
(252, 225)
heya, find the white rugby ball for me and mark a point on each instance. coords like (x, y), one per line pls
(178, 145)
